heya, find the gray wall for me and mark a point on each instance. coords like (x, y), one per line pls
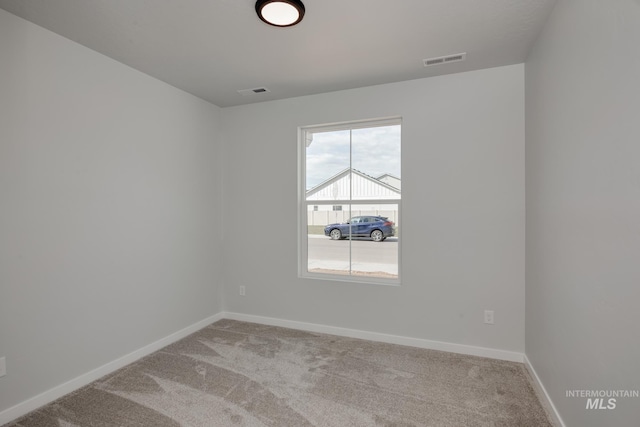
(109, 216)
(463, 210)
(583, 206)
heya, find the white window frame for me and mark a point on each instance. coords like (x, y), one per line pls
(303, 204)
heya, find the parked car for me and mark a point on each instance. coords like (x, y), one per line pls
(376, 227)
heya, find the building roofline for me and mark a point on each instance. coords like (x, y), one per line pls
(344, 173)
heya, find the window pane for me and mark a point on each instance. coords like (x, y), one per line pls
(328, 254)
(375, 152)
(327, 155)
(361, 242)
(374, 245)
(351, 201)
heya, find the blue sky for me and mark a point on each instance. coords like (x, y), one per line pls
(375, 150)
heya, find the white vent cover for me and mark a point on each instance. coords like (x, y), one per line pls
(429, 62)
(254, 91)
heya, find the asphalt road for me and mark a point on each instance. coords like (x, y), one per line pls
(362, 250)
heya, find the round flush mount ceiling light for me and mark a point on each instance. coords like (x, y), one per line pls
(280, 13)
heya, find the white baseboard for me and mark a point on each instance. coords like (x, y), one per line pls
(544, 397)
(57, 392)
(374, 336)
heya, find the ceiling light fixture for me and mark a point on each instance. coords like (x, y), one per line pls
(280, 13)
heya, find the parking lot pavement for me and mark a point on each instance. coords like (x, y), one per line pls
(362, 267)
(363, 255)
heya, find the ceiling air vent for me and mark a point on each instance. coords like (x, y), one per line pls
(444, 59)
(254, 91)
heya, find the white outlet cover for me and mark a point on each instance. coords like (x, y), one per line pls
(488, 317)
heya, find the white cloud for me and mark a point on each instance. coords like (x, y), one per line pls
(375, 151)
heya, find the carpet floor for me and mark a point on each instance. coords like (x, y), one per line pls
(243, 374)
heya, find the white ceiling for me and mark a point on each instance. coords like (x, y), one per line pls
(213, 48)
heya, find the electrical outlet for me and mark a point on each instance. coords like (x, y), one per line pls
(242, 291)
(3, 366)
(488, 317)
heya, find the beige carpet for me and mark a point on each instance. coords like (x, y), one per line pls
(242, 374)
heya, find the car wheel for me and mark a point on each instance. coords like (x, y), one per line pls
(335, 234)
(377, 236)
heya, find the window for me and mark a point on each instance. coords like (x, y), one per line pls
(350, 201)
